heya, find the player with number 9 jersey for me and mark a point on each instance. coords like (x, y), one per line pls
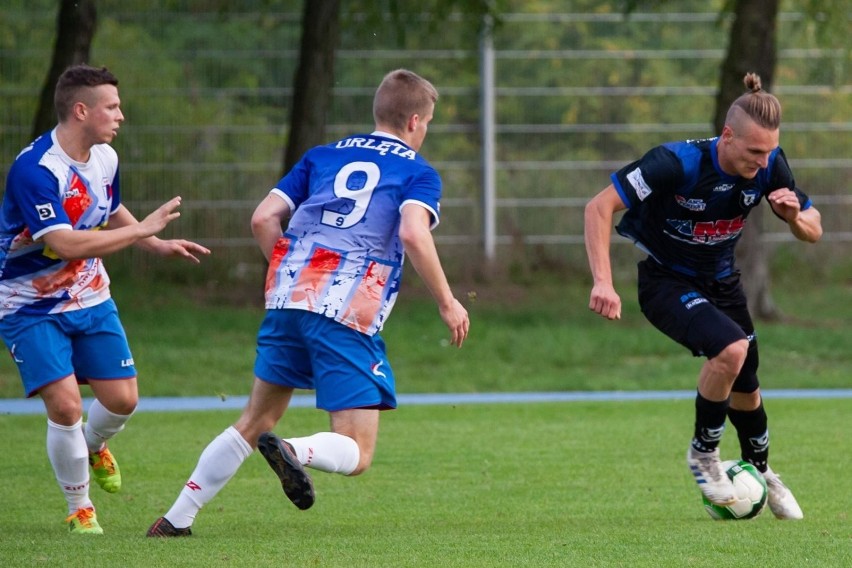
(339, 256)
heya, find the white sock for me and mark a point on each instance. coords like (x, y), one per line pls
(101, 425)
(217, 464)
(66, 449)
(327, 451)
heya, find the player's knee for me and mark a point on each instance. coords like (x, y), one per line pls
(747, 382)
(745, 401)
(359, 457)
(730, 360)
(364, 464)
(65, 412)
(124, 406)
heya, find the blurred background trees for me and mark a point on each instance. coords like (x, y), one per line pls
(211, 92)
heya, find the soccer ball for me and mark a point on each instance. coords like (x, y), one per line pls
(750, 488)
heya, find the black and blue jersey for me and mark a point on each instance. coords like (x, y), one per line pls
(687, 213)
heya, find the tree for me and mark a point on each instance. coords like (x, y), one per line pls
(314, 78)
(752, 48)
(75, 28)
(312, 86)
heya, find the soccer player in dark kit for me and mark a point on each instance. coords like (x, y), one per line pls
(687, 203)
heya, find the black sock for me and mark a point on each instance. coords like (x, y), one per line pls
(753, 433)
(709, 423)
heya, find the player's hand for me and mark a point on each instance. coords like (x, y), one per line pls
(785, 203)
(456, 318)
(605, 301)
(160, 217)
(183, 249)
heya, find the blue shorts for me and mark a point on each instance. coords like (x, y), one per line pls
(89, 343)
(305, 350)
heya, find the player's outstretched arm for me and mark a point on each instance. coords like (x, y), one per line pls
(420, 249)
(179, 248)
(597, 230)
(123, 230)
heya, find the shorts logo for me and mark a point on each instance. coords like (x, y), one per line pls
(127, 362)
(692, 299)
(638, 182)
(375, 369)
(45, 211)
(15, 357)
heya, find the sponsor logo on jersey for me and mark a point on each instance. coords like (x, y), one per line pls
(638, 182)
(708, 232)
(45, 211)
(722, 187)
(691, 204)
(749, 197)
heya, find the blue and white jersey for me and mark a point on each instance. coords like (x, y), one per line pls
(45, 191)
(341, 255)
(686, 212)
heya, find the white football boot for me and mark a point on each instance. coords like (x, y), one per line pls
(711, 478)
(781, 501)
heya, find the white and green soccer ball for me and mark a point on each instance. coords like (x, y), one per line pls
(750, 488)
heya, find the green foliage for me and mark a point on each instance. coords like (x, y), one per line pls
(582, 88)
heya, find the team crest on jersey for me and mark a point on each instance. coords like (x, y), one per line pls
(749, 197)
(638, 182)
(45, 211)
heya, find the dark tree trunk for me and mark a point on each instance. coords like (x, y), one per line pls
(75, 28)
(752, 48)
(314, 78)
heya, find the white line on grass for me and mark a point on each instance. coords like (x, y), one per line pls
(181, 403)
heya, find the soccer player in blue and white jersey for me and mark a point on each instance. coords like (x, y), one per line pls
(353, 209)
(61, 212)
(687, 204)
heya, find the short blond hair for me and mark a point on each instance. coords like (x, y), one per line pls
(401, 94)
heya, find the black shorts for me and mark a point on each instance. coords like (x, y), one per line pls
(705, 316)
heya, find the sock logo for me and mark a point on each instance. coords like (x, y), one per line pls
(193, 486)
(760, 443)
(712, 434)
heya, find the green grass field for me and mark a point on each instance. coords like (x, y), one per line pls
(548, 484)
(537, 484)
